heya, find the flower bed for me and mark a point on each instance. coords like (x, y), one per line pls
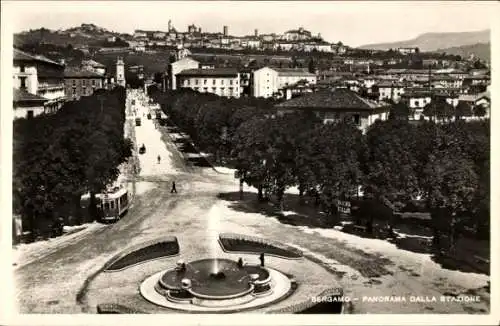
(247, 244)
(156, 250)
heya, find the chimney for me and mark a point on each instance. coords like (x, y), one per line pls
(226, 30)
(256, 32)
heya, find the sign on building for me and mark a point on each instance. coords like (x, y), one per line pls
(344, 206)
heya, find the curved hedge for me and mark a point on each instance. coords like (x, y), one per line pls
(139, 254)
(246, 244)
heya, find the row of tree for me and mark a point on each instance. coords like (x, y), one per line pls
(59, 157)
(445, 166)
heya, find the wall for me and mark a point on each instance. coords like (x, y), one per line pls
(77, 87)
(265, 82)
(178, 66)
(21, 110)
(216, 85)
(30, 72)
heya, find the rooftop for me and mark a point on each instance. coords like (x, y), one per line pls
(24, 56)
(81, 73)
(21, 95)
(293, 72)
(332, 99)
(93, 63)
(217, 72)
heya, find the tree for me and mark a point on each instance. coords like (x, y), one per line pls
(451, 185)
(463, 109)
(400, 111)
(479, 110)
(390, 165)
(312, 66)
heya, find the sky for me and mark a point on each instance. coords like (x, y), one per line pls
(354, 23)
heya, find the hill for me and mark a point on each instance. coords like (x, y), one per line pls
(85, 34)
(434, 41)
(480, 50)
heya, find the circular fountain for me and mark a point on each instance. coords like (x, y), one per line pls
(215, 284)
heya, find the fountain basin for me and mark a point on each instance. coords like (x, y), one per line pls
(227, 282)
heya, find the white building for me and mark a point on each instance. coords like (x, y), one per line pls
(94, 66)
(390, 91)
(176, 67)
(267, 81)
(219, 81)
(40, 76)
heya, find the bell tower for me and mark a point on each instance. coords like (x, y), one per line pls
(120, 72)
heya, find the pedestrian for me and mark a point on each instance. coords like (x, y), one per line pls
(173, 190)
(159, 159)
(262, 259)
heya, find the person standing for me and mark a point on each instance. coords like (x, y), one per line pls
(173, 190)
(262, 259)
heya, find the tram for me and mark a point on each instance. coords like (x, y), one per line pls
(112, 204)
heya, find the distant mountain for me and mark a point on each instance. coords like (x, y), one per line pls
(480, 50)
(434, 41)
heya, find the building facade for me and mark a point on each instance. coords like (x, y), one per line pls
(176, 67)
(219, 81)
(268, 81)
(337, 105)
(82, 83)
(27, 105)
(38, 75)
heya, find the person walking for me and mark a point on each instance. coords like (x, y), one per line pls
(173, 190)
(159, 159)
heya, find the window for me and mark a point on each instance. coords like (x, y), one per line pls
(416, 103)
(222, 81)
(188, 82)
(236, 82)
(84, 90)
(230, 82)
(30, 114)
(214, 89)
(84, 82)
(93, 82)
(196, 81)
(112, 205)
(214, 81)
(205, 89)
(74, 91)
(356, 119)
(22, 80)
(22, 68)
(204, 82)
(74, 82)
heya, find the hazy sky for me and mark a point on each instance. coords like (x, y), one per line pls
(354, 23)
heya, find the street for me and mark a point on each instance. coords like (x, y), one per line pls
(53, 280)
